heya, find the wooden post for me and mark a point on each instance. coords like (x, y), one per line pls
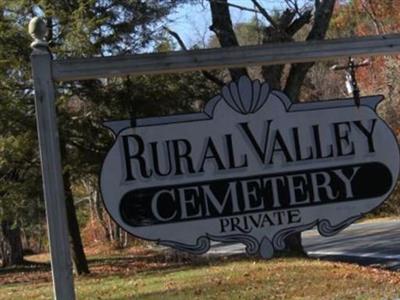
(51, 163)
(234, 57)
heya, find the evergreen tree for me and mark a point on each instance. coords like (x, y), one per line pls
(19, 164)
(81, 28)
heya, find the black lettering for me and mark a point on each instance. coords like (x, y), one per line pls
(278, 140)
(297, 146)
(279, 214)
(156, 161)
(231, 154)
(294, 216)
(343, 137)
(210, 147)
(367, 133)
(181, 157)
(268, 220)
(255, 222)
(261, 152)
(318, 147)
(223, 223)
(235, 221)
(129, 157)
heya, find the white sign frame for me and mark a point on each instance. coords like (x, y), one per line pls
(361, 143)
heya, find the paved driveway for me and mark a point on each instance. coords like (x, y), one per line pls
(367, 243)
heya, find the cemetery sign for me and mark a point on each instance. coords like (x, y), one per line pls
(252, 168)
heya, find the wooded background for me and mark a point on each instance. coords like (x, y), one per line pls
(88, 28)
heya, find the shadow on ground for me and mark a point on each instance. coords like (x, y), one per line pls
(166, 261)
(122, 264)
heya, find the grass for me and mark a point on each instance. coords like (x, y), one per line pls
(150, 276)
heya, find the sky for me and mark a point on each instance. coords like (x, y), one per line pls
(191, 22)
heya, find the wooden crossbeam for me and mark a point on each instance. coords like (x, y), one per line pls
(181, 61)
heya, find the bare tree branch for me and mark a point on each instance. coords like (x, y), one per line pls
(176, 37)
(286, 18)
(206, 74)
(265, 14)
(236, 6)
(297, 24)
(369, 9)
(292, 4)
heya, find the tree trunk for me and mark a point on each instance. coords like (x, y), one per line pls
(11, 250)
(273, 73)
(110, 230)
(223, 29)
(99, 215)
(78, 254)
(298, 72)
(294, 245)
(117, 236)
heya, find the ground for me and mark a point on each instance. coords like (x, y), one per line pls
(144, 274)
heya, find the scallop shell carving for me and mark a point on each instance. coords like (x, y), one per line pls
(245, 96)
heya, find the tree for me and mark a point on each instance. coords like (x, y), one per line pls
(78, 28)
(277, 27)
(11, 248)
(19, 164)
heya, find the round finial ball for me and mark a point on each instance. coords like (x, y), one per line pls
(38, 28)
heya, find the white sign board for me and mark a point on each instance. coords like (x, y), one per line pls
(252, 168)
